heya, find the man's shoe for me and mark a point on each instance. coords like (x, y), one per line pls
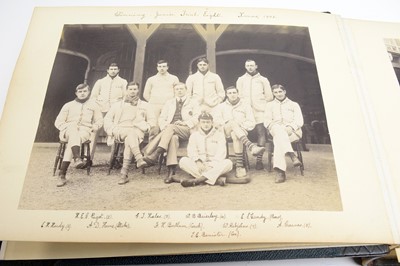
(240, 172)
(62, 181)
(259, 165)
(123, 180)
(169, 179)
(140, 163)
(152, 159)
(280, 176)
(188, 183)
(256, 150)
(296, 161)
(86, 164)
(221, 181)
(78, 163)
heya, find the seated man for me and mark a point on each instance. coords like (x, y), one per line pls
(284, 120)
(178, 117)
(77, 120)
(206, 151)
(236, 118)
(128, 121)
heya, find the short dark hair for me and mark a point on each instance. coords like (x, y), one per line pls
(162, 61)
(205, 116)
(278, 86)
(251, 60)
(231, 87)
(82, 86)
(132, 83)
(202, 59)
(113, 64)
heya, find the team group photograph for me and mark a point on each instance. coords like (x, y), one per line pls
(181, 117)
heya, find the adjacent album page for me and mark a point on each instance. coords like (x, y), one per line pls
(338, 199)
(376, 46)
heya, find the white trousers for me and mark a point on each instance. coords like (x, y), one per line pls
(282, 145)
(74, 135)
(214, 169)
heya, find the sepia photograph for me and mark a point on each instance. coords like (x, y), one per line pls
(175, 117)
(393, 49)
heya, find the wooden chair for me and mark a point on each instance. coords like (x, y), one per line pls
(117, 154)
(85, 155)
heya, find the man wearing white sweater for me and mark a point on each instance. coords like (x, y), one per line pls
(159, 89)
(205, 87)
(206, 155)
(77, 121)
(283, 119)
(255, 90)
(128, 121)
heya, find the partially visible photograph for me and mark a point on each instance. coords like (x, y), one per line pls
(183, 117)
(393, 49)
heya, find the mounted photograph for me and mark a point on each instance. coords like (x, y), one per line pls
(182, 117)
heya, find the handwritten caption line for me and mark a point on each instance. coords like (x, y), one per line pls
(195, 225)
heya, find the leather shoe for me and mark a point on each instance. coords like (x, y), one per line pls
(123, 180)
(221, 181)
(240, 172)
(280, 176)
(296, 161)
(259, 165)
(62, 181)
(140, 163)
(188, 183)
(152, 158)
(256, 150)
(78, 163)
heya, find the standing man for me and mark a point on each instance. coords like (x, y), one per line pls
(77, 121)
(178, 117)
(236, 118)
(128, 121)
(255, 90)
(106, 91)
(283, 119)
(206, 155)
(205, 87)
(158, 89)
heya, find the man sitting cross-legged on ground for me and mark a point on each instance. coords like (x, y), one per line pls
(206, 151)
(128, 121)
(77, 121)
(236, 118)
(283, 119)
(178, 117)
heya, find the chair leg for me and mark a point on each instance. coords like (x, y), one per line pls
(57, 160)
(88, 158)
(300, 156)
(246, 160)
(270, 155)
(114, 149)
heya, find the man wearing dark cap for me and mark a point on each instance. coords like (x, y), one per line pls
(206, 160)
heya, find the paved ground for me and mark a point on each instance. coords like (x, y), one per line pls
(318, 189)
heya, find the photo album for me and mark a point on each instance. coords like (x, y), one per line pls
(134, 131)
